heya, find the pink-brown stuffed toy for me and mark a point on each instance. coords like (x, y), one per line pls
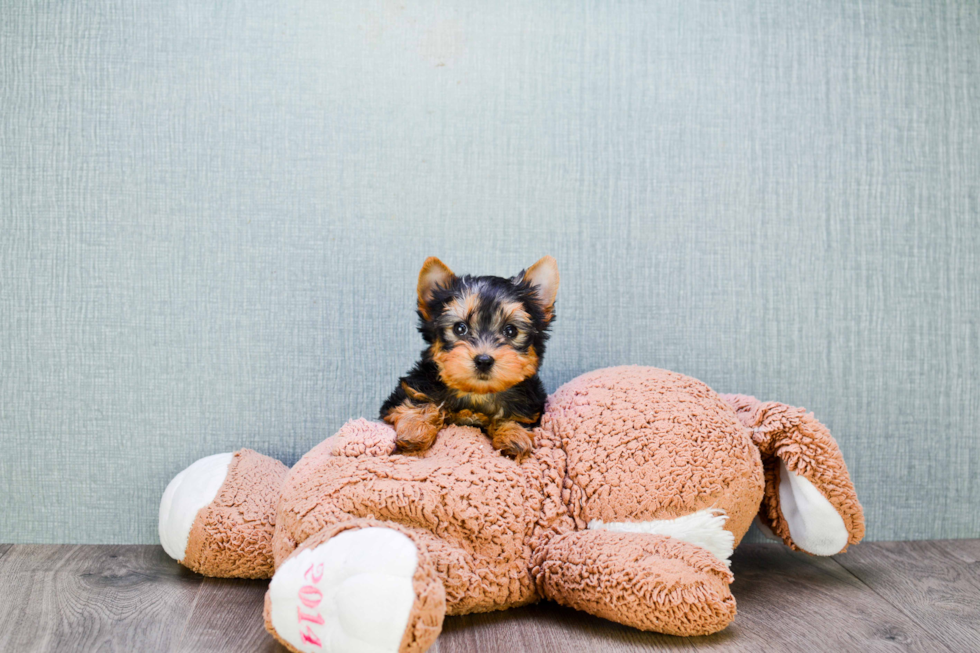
(641, 483)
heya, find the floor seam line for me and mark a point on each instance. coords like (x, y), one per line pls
(190, 613)
(3, 554)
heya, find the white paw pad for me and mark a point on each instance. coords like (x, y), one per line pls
(187, 493)
(352, 594)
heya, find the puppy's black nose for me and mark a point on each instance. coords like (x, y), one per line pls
(483, 362)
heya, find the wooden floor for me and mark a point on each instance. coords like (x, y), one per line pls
(916, 596)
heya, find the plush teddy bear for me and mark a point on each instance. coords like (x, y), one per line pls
(641, 483)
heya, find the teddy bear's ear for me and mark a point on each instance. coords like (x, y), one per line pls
(809, 501)
(434, 275)
(543, 277)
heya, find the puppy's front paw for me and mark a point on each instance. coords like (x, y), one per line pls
(513, 440)
(416, 427)
(415, 436)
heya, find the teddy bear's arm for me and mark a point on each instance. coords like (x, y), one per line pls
(809, 500)
(650, 582)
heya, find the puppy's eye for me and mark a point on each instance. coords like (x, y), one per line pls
(460, 328)
(510, 331)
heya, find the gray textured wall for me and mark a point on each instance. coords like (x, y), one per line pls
(212, 219)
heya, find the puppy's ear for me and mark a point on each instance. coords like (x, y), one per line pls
(543, 277)
(434, 274)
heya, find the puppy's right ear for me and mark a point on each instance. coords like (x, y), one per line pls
(434, 275)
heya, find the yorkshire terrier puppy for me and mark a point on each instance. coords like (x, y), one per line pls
(486, 338)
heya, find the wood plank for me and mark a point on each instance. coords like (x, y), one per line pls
(25, 584)
(87, 598)
(937, 584)
(4, 548)
(967, 551)
(548, 626)
(805, 602)
(228, 617)
(878, 597)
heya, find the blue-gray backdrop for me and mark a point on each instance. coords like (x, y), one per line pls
(213, 215)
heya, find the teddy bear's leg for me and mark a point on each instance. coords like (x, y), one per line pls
(217, 517)
(809, 501)
(650, 582)
(359, 586)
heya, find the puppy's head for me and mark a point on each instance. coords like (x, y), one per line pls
(486, 334)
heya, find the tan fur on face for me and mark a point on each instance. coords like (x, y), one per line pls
(460, 309)
(510, 367)
(513, 313)
(416, 427)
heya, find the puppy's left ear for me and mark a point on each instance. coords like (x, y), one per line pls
(543, 277)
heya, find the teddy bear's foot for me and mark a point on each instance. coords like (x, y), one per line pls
(369, 590)
(217, 517)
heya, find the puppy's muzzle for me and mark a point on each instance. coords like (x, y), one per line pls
(483, 363)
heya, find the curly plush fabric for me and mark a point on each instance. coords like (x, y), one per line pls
(476, 510)
(232, 537)
(640, 483)
(660, 583)
(645, 444)
(804, 445)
